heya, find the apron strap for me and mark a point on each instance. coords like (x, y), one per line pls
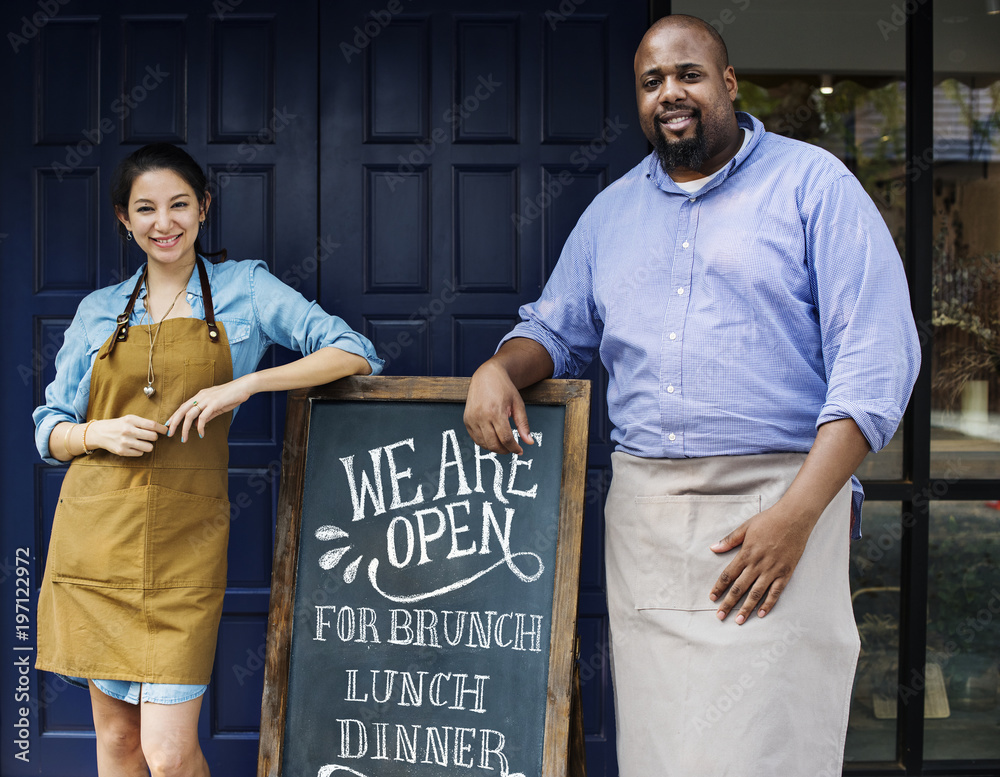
(206, 297)
(121, 322)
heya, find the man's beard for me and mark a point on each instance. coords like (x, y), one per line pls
(689, 153)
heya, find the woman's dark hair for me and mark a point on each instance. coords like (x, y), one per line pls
(157, 156)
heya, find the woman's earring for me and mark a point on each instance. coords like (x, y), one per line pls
(128, 235)
(201, 225)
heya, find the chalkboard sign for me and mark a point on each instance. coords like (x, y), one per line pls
(423, 599)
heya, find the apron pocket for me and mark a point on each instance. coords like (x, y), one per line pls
(198, 374)
(676, 569)
(188, 540)
(99, 539)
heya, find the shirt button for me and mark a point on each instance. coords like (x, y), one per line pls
(685, 244)
(673, 335)
(680, 290)
(671, 437)
(670, 389)
(692, 199)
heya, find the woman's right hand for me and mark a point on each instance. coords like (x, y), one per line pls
(130, 435)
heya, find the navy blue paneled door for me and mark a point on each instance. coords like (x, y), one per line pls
(458, 146)
(413, 165)
(86, 82)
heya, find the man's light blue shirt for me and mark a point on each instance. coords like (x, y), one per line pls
(737, 319)
(256, 309)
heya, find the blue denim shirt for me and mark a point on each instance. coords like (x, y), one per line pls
(256, 309)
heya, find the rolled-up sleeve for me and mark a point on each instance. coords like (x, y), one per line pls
(287, 318)
(871, 351)
(564, 319)
(72, 365)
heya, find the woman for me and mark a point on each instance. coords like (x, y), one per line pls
(151, 372)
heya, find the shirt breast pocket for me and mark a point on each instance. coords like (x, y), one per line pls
(237, 329)
(99, 338)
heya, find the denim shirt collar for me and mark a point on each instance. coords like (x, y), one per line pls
(193, 286)
(663, 181)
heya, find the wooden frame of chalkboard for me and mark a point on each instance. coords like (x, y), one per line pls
(288, 684)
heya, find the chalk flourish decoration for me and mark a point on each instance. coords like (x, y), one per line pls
(326, 771)
(329, 769)
(508, 559)
(331, 558)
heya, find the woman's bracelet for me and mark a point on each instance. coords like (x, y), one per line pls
(69, 430)
(85, 428)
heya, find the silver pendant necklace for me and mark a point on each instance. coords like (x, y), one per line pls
(148, 389)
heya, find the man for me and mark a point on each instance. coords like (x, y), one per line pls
(750, 307)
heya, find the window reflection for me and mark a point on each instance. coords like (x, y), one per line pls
(875, 569)
(966, 281)
(963, 629)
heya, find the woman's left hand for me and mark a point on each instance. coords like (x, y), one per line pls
(206, 405)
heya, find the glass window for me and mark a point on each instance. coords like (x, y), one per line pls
(875, 565)
(963, 631)
(965, 415)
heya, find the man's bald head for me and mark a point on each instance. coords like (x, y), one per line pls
(695, 26)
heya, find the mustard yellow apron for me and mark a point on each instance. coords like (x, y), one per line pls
(136, 567)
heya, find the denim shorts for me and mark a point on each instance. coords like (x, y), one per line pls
(131, 691)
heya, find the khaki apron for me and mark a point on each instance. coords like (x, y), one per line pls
(136, 568)
(696, 697)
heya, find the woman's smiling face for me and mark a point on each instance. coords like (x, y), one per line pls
(164, 216)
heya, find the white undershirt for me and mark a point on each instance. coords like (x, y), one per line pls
(700, 183)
